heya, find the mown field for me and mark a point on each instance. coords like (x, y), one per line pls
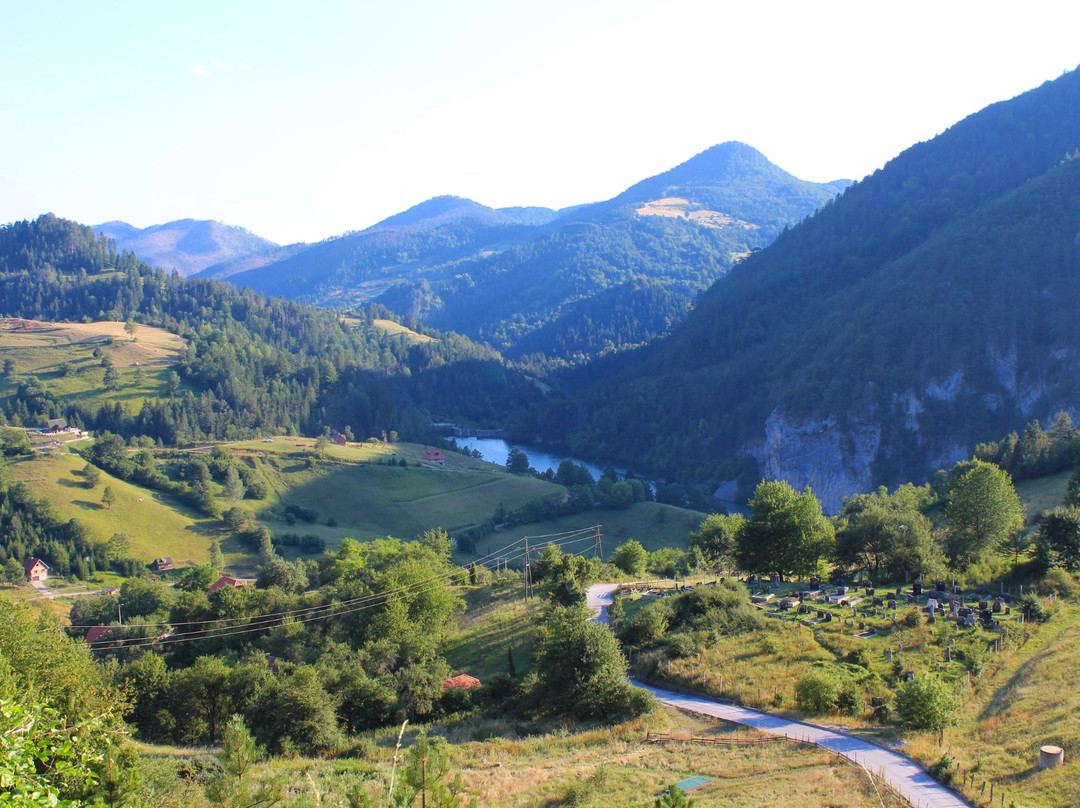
(154, 523)
(61, 357)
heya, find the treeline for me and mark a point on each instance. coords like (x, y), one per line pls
(1038, 452)
(253, 365)
(29, 527)
(190, 476)
(352, 643)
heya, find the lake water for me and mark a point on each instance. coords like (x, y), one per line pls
(497, 450)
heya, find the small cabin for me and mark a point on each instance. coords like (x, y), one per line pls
(97, 634)
(35, 569)
(162, 564)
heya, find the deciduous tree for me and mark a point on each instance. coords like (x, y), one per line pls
(983, 512)
(785, 533)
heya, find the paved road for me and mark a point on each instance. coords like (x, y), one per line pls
(899, 771)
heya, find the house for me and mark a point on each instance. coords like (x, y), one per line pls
(435, 456)
(225, 581)
(162, 564)
(56, 424)
(97, 634)
(460, 682)
(337, 438)
(35, 569)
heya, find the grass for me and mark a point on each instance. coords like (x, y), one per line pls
(609, 766)
(651, 523)
(495, 621)
(154, 523)
(1026, 700)
(1042, 493)
(42, 349)
(355, 487)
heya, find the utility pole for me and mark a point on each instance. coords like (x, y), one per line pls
(527, 577)
(598, 546)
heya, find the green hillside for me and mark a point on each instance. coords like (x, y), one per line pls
(928, 308)
(156, 525)
(522, 281)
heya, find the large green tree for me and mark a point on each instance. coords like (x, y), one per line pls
(1058, 541)
(716, 538)
(983, 512)
(582, 672)
(887, 536)
(786, 531)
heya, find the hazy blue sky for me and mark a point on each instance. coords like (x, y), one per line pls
(300, 121)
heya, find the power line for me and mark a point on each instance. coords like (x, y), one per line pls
(263, 622)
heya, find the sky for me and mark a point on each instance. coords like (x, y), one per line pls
(302, 121)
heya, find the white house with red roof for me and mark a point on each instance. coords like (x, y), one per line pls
(35, 569)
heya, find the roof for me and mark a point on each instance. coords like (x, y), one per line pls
(460, 682)
(435, 455)
(96, 634)
(223, 582)
(32, 562)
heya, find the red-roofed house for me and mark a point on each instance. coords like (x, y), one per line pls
(35, 569)
(97, 634)
(434, 456)
(461, 682)
(223, 582)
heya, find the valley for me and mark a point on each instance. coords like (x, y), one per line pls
(276, 581)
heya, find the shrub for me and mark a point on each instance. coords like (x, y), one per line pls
(944, 771)
(1060, 581)
(1031, 606)
(818, 691)
(681, 645)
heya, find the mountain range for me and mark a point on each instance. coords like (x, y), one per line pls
(725, 321)
(932, 306)
(551, 289)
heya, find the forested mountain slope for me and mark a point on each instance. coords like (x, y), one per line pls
(188, 246)
(253, 365)
(930, 307)
(520, 279)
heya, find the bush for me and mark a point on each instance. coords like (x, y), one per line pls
(648, 625)
(944, 771)
(818, 691)
(310, 544)
(1031, 606)
(1060, 581)
(681, 645)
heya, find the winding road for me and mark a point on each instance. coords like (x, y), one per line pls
(899, 771)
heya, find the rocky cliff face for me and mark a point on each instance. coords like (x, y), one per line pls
(837, 459)
(834, 462)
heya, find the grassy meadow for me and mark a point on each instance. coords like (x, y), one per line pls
(61, 356)
(155, 524)
(592, 768)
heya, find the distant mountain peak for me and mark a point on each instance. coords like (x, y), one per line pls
(186, 245)
(444, 209)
